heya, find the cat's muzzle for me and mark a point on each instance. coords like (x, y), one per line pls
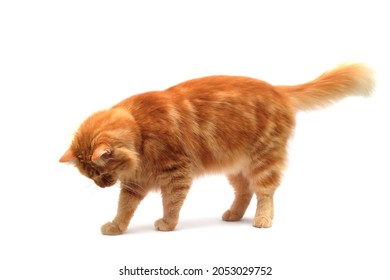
(105, 180)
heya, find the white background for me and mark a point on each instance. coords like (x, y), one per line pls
(62, 60)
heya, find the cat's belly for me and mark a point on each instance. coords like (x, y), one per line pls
(232, 165)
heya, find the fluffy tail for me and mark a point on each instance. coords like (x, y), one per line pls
(345, 80)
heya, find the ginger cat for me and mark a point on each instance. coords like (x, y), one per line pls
(238, 126)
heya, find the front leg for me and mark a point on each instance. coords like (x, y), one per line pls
(128, 203)
(173, 198)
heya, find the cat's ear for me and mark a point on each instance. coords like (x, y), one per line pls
(101, 154)
(68, 156)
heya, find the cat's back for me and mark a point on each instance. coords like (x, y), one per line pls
(209, 89)
(221, 84)
(210, 99)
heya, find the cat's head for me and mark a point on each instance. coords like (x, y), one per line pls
(104, 147)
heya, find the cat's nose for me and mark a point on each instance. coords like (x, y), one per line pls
(105, 180)
(99, 183)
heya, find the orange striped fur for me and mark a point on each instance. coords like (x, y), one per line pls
(238, 126)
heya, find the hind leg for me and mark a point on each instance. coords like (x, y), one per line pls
(265, 190)
(243, 196)
(264, 178)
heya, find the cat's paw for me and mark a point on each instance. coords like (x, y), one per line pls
(230, 216)
(111, 228)
(262, 222)
(164, 225)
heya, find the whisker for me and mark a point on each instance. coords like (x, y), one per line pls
(133, 187)
(92, 184)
